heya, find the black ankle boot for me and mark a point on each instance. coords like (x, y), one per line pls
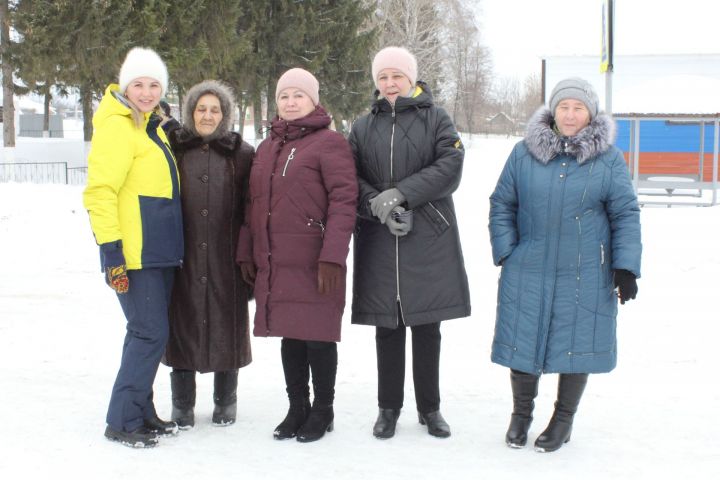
(558, 431)
(320, 421)
(160, 427)
(386, 423)
(296, 416)
(525, 389)
(436, 424)
(182, 385)
(225, 397)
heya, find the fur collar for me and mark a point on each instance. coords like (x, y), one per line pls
(544, 143)
(184, 140)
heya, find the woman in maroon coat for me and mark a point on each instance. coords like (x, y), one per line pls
(293, 246)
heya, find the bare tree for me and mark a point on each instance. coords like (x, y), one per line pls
(468, 62)
(416, 25)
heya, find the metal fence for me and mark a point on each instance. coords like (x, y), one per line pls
(46, 172)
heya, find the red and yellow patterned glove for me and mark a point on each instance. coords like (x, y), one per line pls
(114, 267)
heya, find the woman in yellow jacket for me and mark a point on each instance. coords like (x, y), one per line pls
(133, 198)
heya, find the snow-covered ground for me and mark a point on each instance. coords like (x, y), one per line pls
(61, 333)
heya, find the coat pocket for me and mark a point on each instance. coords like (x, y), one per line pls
(439, 219)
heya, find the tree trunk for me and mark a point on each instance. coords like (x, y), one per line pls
(257, 116)
(8, 113)
(46, 114)
(86, 97)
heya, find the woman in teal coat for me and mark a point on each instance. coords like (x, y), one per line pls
(565, 227)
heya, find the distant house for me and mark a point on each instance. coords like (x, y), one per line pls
(500, 123)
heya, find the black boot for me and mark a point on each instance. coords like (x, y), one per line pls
(386, 423)
(160, 427)
(141, 437)
(570, 390)
(225, 397)
(152, 422)
(437, 426)
(182, 384)
(322, 357)
(297, 375)
(524, 390)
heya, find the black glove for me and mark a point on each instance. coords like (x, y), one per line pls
(626, 284)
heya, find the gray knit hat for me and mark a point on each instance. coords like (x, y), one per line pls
(577, 89)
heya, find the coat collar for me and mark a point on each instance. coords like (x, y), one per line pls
(285, 130)
(545, 144)
(419, 100)
(186, 140)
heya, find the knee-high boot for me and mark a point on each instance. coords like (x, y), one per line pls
(225, 397)
(297, 375)
(557, 433)
(182, 385)
(323, 364)
(524, 390)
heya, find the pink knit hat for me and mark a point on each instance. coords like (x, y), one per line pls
(396, 58)
(300, 79)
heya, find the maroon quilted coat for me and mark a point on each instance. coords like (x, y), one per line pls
(303, 196)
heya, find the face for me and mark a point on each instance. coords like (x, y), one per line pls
(571, 116)
(392, 84)
(144, 93)
(207, 114)
(293, 103)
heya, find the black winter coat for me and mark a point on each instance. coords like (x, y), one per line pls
(415, 148)
(209, 307)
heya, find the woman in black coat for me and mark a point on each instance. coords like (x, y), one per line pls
(209, 306)
(409, 269)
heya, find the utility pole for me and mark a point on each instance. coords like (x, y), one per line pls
(606, 58)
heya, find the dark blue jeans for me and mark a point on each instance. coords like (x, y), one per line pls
(145, 306)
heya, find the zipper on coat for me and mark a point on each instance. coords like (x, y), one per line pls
(287, 162)
(441, 215)
(602, 254)
(397, 239)
(319, 223)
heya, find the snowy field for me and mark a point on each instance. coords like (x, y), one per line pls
(61, 332)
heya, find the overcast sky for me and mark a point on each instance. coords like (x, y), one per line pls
(520, 32)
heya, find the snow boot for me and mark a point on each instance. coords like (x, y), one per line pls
(141, 437)
(386, 423)
(182, 385)
(161, 427)
(322, 357)
(297, 375)
(524, 390)
(557, 433)
(225, 397)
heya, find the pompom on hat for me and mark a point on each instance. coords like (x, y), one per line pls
(577, 89)
(397, 58)
(302, 80)
(143, 62)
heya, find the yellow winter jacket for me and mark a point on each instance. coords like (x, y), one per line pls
(133, 188)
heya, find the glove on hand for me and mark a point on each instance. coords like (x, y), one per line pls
(248, 272)
(398, 229)
(382, 205)
(626, 285)
(330, 277)
(113, 264)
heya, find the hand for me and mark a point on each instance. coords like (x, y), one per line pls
(330, 277)
(113, 264)
(382, 205)
(626, 284)
(398, 229)
(248, 272)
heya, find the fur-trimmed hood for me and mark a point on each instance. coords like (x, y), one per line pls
(227, 105)
(544, 143)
